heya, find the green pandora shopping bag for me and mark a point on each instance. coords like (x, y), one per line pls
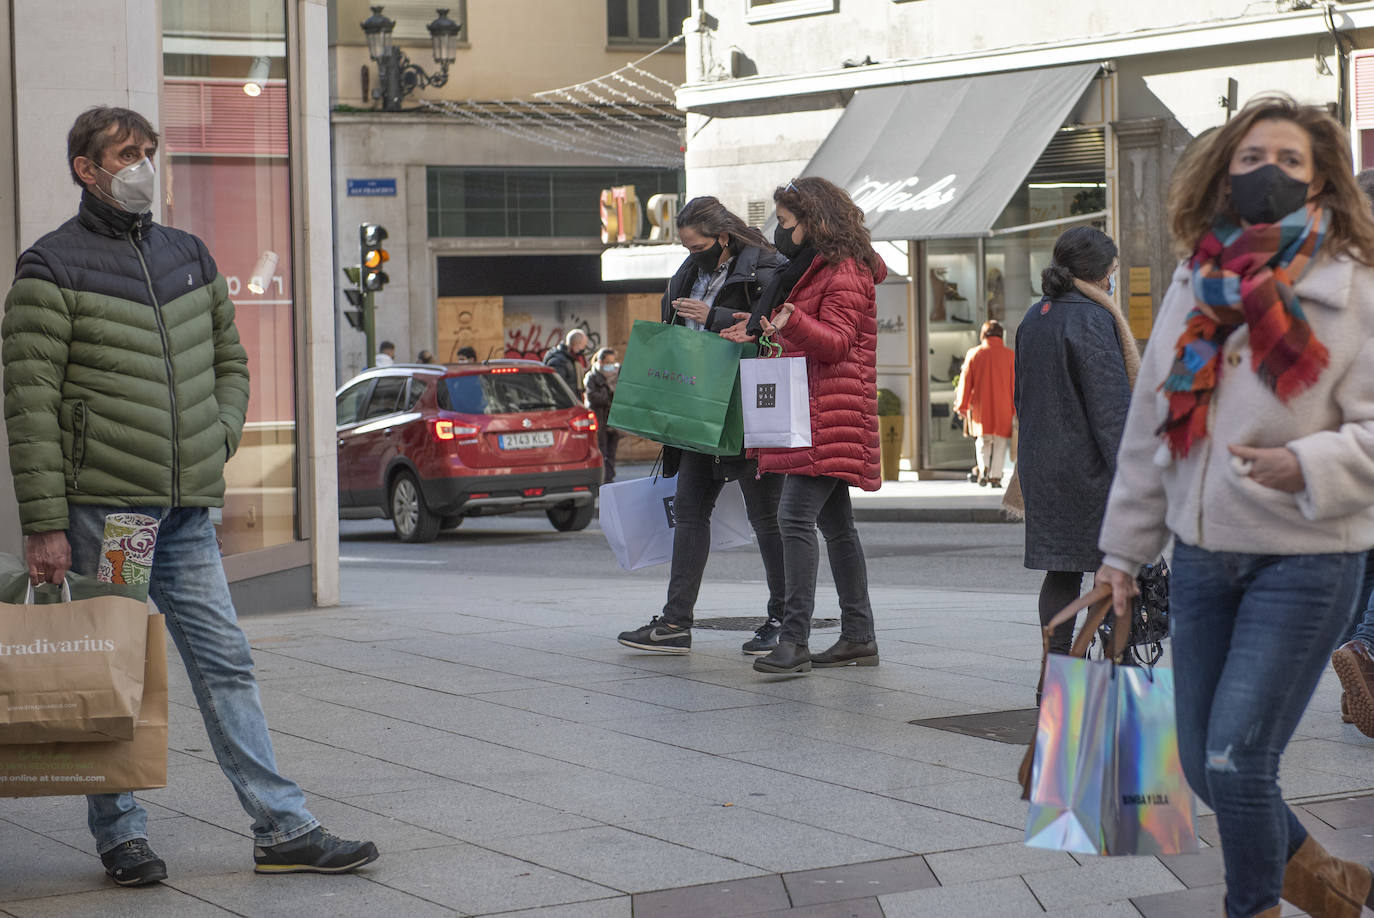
(680, 387)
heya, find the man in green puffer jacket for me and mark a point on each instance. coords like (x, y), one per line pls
(125, 392)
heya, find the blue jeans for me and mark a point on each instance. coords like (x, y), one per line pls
(1362, 626)
(1251, 638)
(806, 503)
(189, 588)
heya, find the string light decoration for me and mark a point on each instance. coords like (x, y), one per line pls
(627, 116)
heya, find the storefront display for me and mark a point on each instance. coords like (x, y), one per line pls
(225, 166)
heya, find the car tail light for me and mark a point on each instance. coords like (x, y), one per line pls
(581, 488)
(504, 370)
(447, 430)
(585, 424)
(534, 492)
(483, 494)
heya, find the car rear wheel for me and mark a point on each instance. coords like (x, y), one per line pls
(568, 518)
(412, 519)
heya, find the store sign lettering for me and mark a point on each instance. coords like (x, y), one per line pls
(620, 216)
(874, 195)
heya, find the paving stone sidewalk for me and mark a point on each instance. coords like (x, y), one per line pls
(511, 759)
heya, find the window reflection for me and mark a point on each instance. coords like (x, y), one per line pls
(225, 152)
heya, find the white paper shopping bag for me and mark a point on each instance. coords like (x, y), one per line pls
(638, 519)
(777, 404)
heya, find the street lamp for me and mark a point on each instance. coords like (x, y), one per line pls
(397, 77)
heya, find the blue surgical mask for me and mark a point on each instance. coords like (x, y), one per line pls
(1111, 285)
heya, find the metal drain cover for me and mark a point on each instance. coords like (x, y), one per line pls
(1016, 728)
(749, 624)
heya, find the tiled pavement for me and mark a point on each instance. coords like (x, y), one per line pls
(510, 758)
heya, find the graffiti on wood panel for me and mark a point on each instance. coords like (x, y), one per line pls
(528, 338)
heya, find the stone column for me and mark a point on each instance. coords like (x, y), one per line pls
(1147, 151)
(119, 63)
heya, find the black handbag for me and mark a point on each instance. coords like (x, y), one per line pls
(1149, 618)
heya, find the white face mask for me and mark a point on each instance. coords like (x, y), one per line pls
(610, 368)
(133, 187)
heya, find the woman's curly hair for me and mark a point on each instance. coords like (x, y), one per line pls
(1198, 193)
(833, 223)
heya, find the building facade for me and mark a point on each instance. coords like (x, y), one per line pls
(240, 98)
(492, 208)
(973, 138)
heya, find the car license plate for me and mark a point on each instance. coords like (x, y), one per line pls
(532, 440)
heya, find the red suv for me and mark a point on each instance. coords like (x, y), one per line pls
(428, 445)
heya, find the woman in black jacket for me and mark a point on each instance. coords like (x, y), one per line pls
(729, 266)
(598, 391)
(1075, 363)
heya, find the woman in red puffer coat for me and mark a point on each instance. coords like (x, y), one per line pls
(830, 318)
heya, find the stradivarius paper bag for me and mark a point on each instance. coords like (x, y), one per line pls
(71, 670)
(58, 769)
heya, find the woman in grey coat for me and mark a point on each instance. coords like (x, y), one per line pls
(1072, 391)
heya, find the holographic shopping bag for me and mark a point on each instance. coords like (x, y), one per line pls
(1106, 776)
(1154, 804)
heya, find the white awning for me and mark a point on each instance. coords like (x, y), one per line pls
(642, 262)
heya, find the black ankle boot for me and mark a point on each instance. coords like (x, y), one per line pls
(846, 653)
(788, 658)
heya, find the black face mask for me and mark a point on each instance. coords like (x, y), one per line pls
(1266, 195)
(707, 259)
(782, 241)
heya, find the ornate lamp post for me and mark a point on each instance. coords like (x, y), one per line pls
(397, 77)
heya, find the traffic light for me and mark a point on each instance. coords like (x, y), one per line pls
(354, 316)
(371, 256)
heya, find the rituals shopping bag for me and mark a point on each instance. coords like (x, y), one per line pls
(680, 387)
(71, 670)
(638, 519)
(57, 769)
(1105, 775)
(776, 402)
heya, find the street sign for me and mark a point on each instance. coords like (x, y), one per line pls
(372, 188)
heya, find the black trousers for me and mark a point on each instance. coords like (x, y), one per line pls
(807, 503)
(607, 440)
(697, 490)
(1058, 590)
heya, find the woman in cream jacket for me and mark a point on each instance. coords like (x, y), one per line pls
(1250, 441)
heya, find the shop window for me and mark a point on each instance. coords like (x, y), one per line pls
(954, 316)
(225, 164)
(531, 202)
(653, 22)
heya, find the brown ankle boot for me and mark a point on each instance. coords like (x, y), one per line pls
(1325, 886)
(1354, 666)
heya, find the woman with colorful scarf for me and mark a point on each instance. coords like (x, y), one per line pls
(1250, 441)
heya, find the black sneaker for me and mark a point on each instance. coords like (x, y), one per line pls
(765, 640)
(316, 852)
(134, 864)
(659, 636)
